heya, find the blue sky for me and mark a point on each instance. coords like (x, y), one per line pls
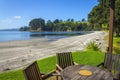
(17, 13)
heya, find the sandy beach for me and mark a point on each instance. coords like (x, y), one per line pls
(17, 54)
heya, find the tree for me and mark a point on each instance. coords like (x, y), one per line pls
(117, 18)
(83, 20)
(49, 26)
(100, 15)
(56, 21)
(37, 24)
(24, 28)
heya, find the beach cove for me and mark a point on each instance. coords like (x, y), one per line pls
(17, 54)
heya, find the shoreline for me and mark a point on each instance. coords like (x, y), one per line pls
(18, 54)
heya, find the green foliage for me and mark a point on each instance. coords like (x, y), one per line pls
(37, 24)
(57, 25)
(100, 14)
(93, 46)
(48, 64)
(24, 28)
(83, 20)
(117, 18)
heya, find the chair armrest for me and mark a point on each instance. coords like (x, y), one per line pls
(51, 72)
(76, 63)
(101, 64)
(54, 74)
(44, 76)
(58, 67)
(42, 73)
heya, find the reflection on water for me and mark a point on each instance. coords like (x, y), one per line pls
(54, 35)
(17, 35)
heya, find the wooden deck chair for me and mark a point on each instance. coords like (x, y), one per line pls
(112, 63)
(32, 72)
(108, 62)
(117, 66)
(63, 60)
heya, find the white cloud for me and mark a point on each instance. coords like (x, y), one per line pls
(17, 17)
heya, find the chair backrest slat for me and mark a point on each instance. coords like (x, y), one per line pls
(64, 59)
(108, 61)
(117, 65)
(32, 72)
(112, 63)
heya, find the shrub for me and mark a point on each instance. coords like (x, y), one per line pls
(93, 46)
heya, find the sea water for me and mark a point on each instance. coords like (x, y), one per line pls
(26, 35)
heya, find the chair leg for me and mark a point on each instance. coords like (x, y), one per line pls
(118, 76)
(61, 78)
(56, 77)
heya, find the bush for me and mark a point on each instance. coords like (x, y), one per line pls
(93, 46)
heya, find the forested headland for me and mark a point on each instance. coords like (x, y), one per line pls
(40, 24)
(98, 19)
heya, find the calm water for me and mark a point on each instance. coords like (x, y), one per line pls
(17, 35)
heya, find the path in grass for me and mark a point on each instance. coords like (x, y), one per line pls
(18, 54)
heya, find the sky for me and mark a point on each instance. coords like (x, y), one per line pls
(17, 13)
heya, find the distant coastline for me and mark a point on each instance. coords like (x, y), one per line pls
(9, 29)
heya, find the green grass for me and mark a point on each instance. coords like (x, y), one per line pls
(116, 41)
(116, 44)
(88, 57)
(48, 64)
(12, 75)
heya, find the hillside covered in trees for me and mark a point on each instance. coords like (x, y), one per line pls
(98, 19)
(40, 24)
(99, 16)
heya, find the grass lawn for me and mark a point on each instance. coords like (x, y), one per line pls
(116, 44)
(12, 75)
(48, 64)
